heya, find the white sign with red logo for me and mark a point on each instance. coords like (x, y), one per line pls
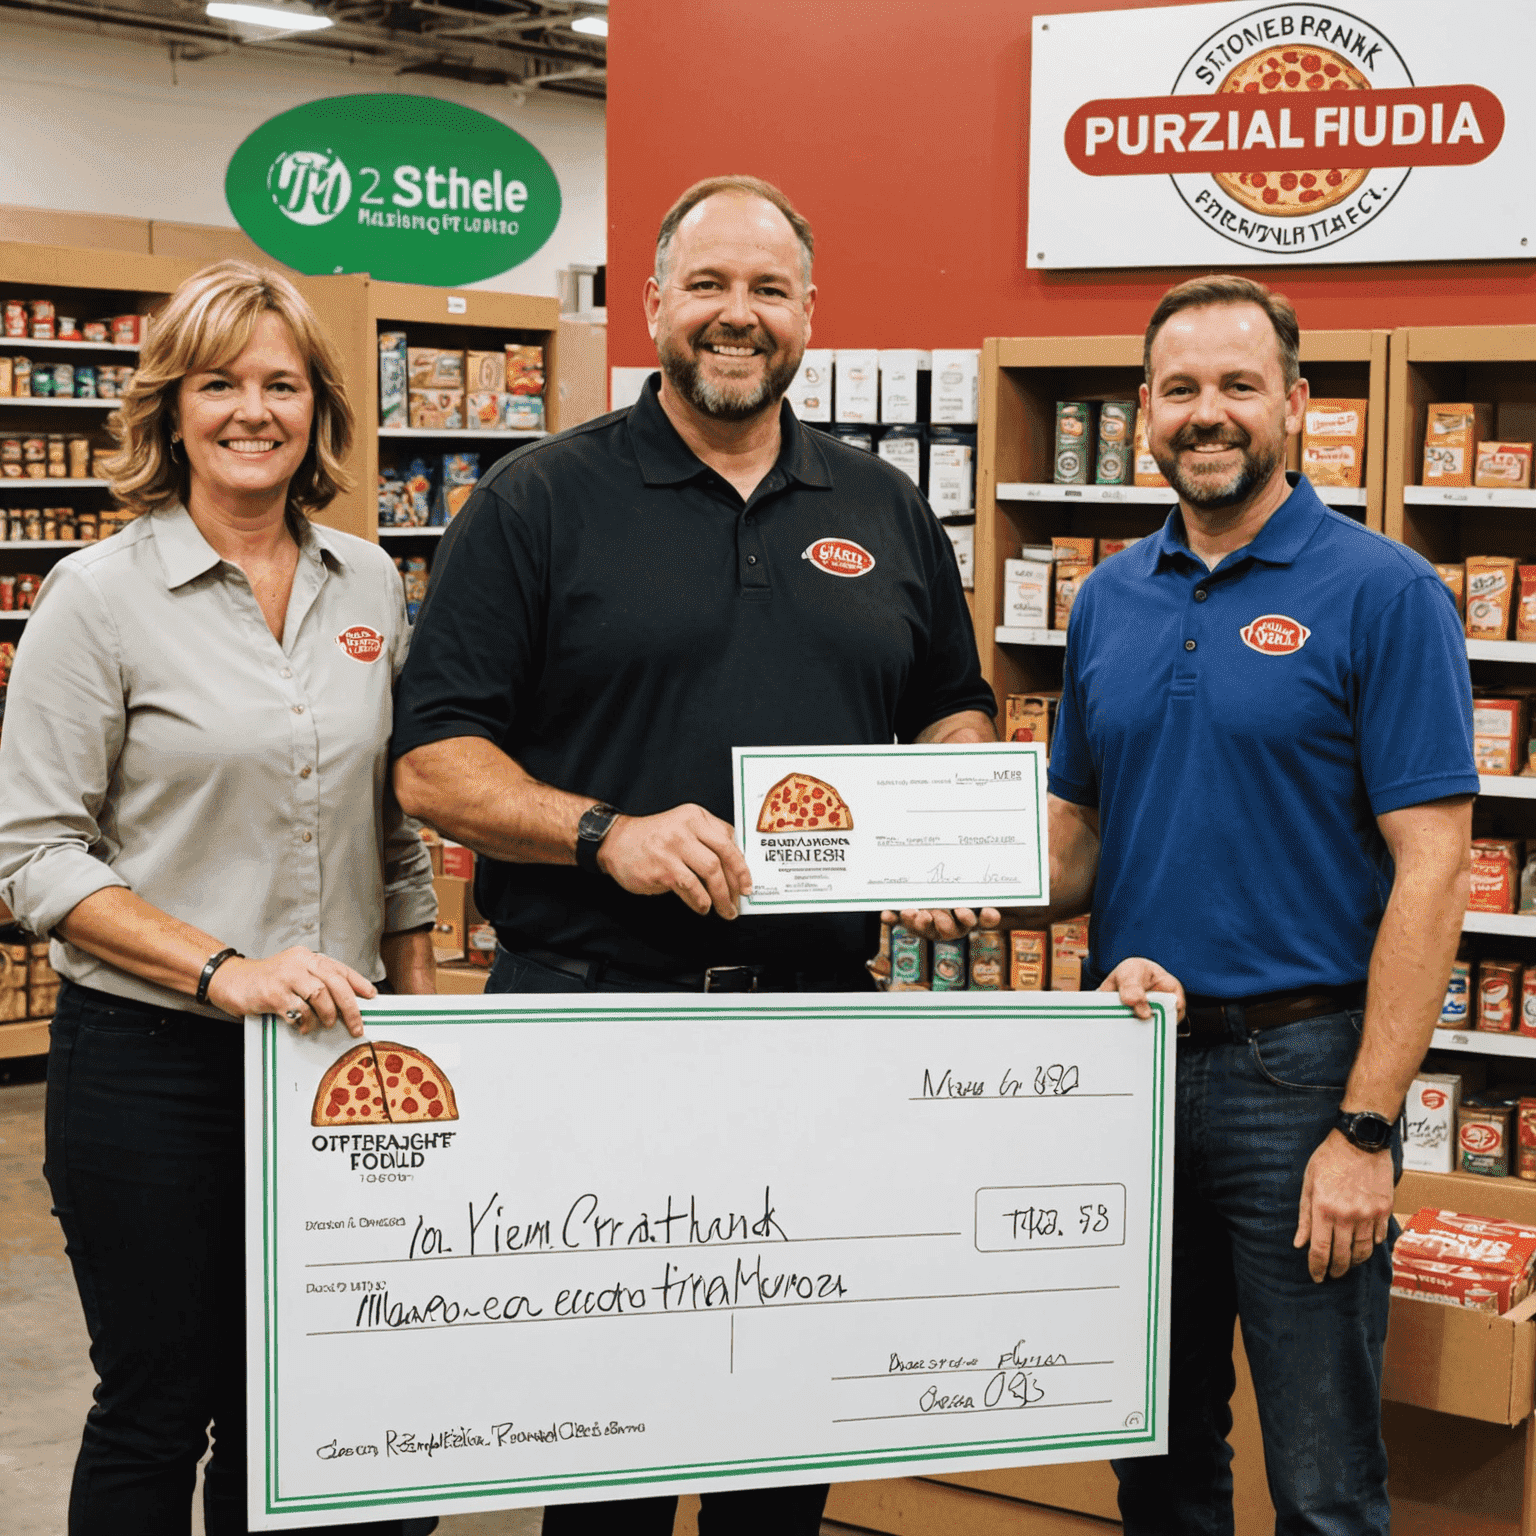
(1230, 134)
(839, 557)
(1273, 634)
(362, 642)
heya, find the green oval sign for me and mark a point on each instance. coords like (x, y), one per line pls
(408, 188)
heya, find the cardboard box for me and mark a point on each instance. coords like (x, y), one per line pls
(1456, 1010)
(903, 448)
(1466, 1363)
(454, 915)
(1451, 436)
(1525, 605)
(394, 371)
(485, 371)
(956, 386)
(951, 472)
(1525, 1138)
(1484, 1137)
(1027, 593)
(461, 980)
(457, 860)
(858, 385)
(1429, 1122)
(1108, 547)
(901, 369)
(1333, 442)
(1490, 596)
(1146, 471)
(1028, 959)
(1455, 578)
(1503, 466)
(435, 368)
(1069, 952)
(1495, 877)
(1498, 735)
(810, 392)
(437, 409)
(1030, 716)
(1074, 442)
(962, 539)
(1074, 563)
(1115, 451)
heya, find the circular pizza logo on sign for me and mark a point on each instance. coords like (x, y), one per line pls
(1273, 634)
(800, 803)
(839, 557)
(381, 1083)
(309, 186)
(361, 642)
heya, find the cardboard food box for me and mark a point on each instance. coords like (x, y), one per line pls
(1115, 452)
(901, 373)
(1451, 436)
(1503, 466)
(1483, 1136)
(1028, 950)
(1456, 1010)
(1333, 442)
(956, 387)
(454, 909)
(1030, 716)
(437, 409)
(810, 393)
(394, 373)
(1470, 1261)
(1028, 594)
(1429, 1122)
(1069, 952)
(1498, 995)
(1108, 547)
(902, 446)
(1495, 875)
(1074, 442)
(435, 368)
(1490, 596)
(1525, 1139)
(962, 539)
(485, 371)
(1498, 734)
(858, 385)
(1455, 578)
(989, 960)
(1525, 609)
(1146, 472)
(1073, 558)
(951, 472)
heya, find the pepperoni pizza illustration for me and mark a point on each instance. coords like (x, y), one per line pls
(380, 1083)
(800, 803)
(1282, 70)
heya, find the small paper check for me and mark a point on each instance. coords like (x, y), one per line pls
(863, 828)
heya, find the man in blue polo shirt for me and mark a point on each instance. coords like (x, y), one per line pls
(1263, 772)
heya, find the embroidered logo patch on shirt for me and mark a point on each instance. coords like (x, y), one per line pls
(1272, 634)
(361, 643)
(839, 557)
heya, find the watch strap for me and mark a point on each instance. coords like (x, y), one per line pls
(595, 824)
(214, 962)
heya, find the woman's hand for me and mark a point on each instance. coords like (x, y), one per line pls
(311, 991)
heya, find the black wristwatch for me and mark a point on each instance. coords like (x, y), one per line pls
(595, 824)
(1370, 1132)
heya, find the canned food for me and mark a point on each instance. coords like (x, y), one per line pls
(909, 958)
(949, 965)
(80, 458)
(64, 380)
(7, 593)
(50, 528)
(32, 525)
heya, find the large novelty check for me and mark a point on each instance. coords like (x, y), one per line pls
(862, 828)
(524, 1250)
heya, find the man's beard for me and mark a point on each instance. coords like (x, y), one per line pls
(1206, 491)
(727, 401)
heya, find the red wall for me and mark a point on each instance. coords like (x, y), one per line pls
(901, 129)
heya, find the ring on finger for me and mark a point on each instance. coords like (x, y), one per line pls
(293, 1015)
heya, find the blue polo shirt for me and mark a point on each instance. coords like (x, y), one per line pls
(1239, 730)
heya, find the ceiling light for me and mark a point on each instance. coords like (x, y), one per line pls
(269, 16)
(593, 26)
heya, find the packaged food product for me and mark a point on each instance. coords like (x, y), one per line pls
(903, 446)
(909, 958)
(64, 380)
(1525, 609)
(1028, 951)
(79, 458)
(1498, 995)
(525, 369)
(1490, 596)
(95, 330)
(1147, 472)
(415, 578)
(7, 661)
(1069, 949)
(435, 368)
(15, 319)
(1074, 561)
(962, 539)
(50, 527)
(127, 330)
(7, 378)
(68, 328)
(1429, 1122)
(1505, 466)
(64, 521)
(85, 527)
(418, 493)
(1074, 425)
(393, 379)
(21, 370)
(989, 963)
(1030, 716)
(1483, 1133)
(1455, 1011)
(856, 396)
(1028, 593)
(31, 532)
(955, 390)
(1498, 734)
(1472, 1261)
(1115, 453)
(27, 583)
(522, 413)
(43, 314)
(1333, 442)
(1108, 547)
(1526, 1024)
(85, 381)
(485, 371)
(951, 470)
(7, 592)
(950, 965)
(460, 472)
(437, 409)
(1495, 873)
(42, 380)
(1451, 436)
(482, 408)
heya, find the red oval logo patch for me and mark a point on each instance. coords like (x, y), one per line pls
(839, 557)
(1478, 1137)
(1272, 634)
(1432, 1098)
(361, 642)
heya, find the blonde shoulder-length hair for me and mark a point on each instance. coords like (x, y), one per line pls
(206, 324)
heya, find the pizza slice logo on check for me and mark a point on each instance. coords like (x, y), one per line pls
(1272, 634)
(362, 642)
(800, 803)
(839, 557)
(380, 1083)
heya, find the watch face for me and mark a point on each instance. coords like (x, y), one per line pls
(1369, 1132)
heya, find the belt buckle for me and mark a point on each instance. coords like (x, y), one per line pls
(711, 971)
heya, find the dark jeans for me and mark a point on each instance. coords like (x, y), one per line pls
(794, 1511)
(145, 1160)
(1250, 1113)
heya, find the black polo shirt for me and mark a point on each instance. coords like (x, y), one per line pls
(609, 611)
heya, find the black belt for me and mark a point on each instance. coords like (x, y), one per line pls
(1209, 1020)
(714, 978)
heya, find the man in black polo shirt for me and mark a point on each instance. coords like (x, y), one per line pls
(616, 607)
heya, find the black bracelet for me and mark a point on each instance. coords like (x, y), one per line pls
(214, 962)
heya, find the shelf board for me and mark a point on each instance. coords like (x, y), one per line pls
(1485, 1042)
(491, 432)
(11, 483)
(1508, 786)
(26, 344)
(1007, 635)
(1466, 496)
(49, 544)
(95, 403)
(415, 532)
(11, 616)
(1510, 923)
(1501, 650)
(1150, 495)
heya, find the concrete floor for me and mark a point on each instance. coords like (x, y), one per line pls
(45, 1376)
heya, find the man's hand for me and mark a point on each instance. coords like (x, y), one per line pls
(686, 851)
(1346, 1203)
(942, 923)
(1135, 977)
